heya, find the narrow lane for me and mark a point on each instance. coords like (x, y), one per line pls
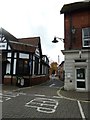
(40, 101)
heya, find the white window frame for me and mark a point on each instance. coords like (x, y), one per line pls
(86, 38)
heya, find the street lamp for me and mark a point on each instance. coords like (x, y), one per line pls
(55, 39)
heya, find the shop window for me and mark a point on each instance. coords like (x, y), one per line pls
(8, 68)
(23, 67)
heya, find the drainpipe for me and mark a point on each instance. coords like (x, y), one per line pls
(70, 20)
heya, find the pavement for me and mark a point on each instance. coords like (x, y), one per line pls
(9, 88)
(75, 95)
(72, 95)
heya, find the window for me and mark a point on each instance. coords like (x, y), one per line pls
(81, 73)
(86, 37)
(23, 67)
(36, 66)
(81, 78)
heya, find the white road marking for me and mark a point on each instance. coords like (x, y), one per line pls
(68, 98)
(4, 98)
(1, 101)
(0, 93)
(57, 97)
(21, 93)
(43, 105)
(39, 95)
(81, 110)
(51, 85)
(8, 96)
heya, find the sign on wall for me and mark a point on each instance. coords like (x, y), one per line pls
(23, 55)
(3, 46)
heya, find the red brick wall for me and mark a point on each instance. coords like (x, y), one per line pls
(80, 20)
(7, 80)
(39, 79)
(33, 81)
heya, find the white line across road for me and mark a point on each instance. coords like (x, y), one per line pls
(81, 110)
(39, 95)
(51, 85)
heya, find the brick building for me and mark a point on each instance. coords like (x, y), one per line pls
(61, 71)
(77, 45)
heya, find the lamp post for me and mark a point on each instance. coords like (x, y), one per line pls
(56, 39)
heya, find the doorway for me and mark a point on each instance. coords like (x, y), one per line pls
(81, 78)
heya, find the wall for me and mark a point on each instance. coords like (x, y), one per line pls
(39, 79)
(0, 67)
(89, 70)
(79, 20)
(70, 66)
(73, 43)
(7, 80)
(69, 83)
(34, 80)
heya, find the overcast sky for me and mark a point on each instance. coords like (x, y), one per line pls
(32, 18)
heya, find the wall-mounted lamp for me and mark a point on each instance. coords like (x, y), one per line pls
(55, 39)
(73, 30)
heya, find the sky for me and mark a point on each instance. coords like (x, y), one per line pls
(33, 18)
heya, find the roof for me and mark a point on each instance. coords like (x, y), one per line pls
(22, 44)
(22, 47)
(26, 44)
(62, 63)
(8, 35)
(33, 41)
(67, 8)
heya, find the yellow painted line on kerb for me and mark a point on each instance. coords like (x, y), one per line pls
(58, 93)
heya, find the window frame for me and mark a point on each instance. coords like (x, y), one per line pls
(85, 38)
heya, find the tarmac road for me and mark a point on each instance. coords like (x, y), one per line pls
(41, 101)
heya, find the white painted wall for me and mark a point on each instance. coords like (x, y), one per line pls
(8, 54)
(33, 64)
(8, 66)
(3, 46)
(14, 68)
(70, 67)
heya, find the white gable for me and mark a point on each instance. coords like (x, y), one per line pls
(3, 43)
(37, 52)
(3, 46)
